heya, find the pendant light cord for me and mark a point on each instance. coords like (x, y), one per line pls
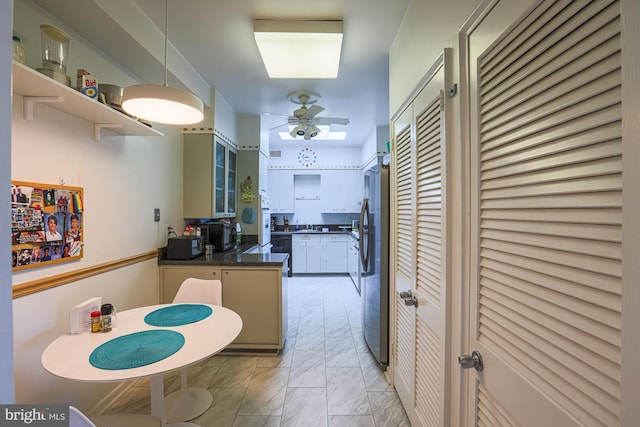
(166, 39)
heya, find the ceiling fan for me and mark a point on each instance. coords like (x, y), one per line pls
(304, 119)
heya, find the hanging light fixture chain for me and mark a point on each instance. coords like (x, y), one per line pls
(166, 39)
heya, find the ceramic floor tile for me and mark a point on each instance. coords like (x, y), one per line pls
(387, 409)
(351, 421)
(266, 391)
(224, 408)
(256, 421)
(374, 376)
(305, 407)
(341, 352)
(325, 376)
(282, 360)
(308, 369)
(310, 338)
(346, 392)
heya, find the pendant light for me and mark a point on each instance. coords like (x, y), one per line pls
(161, 103)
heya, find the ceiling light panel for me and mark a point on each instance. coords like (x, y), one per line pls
(299, 49)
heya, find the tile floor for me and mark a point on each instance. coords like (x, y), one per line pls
(324, 377)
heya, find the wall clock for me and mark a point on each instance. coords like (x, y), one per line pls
(307, 157)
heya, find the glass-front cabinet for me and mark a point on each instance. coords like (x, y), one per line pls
(209, 177)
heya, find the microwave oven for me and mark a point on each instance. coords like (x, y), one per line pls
(185, 247)
(222, 235)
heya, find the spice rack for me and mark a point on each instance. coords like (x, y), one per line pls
(36, 88)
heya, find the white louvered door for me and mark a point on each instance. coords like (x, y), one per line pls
(422, 342)
(546, 235)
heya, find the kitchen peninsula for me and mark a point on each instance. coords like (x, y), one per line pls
(254, 285)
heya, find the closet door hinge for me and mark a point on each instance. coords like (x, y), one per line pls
(441, 100)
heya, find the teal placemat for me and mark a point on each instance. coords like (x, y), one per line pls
(177, 315)
(137, 349)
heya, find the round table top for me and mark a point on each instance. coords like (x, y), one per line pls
(68, 355)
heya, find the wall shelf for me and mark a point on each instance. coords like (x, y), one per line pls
(37, 88)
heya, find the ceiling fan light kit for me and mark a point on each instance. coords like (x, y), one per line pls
(161, 103)
(299, 49)
(304, 121)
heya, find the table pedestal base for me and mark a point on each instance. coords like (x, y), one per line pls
(187, 404)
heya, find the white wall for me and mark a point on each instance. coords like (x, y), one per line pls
(428, 27)
(124, 179)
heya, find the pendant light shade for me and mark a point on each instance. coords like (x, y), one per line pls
(161, 103)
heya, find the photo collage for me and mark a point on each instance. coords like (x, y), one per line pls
(46, 224)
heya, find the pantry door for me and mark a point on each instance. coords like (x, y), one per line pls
(421, 262)
(546, 214)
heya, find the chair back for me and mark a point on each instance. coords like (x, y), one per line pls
(204, 291)
(78, 419)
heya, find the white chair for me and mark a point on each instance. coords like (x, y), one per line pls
(189, 402)
(78, 419)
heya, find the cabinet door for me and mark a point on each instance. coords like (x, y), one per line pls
(334, 257)
(339, 191)
(198, 178)
(172, 278)
(232, 163)
(280, 191)
(298, 256)
(255, 295)
(220, 176)
(314, 253)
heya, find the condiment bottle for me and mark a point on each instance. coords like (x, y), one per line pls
(96, 321)
(107, 312)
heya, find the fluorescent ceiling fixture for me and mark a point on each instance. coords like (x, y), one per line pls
(299, 49)
(161, 103)
(325, 134)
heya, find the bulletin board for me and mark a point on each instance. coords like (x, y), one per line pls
(46, 224)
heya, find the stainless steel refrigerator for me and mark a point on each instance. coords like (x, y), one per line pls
(374, 259)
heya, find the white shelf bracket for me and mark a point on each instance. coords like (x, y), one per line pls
(29, 101)
(97, 127)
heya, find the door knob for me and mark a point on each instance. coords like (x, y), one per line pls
(473, 361)
(408, 298)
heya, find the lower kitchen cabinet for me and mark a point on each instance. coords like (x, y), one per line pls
(257, 294)
(318, 253)
(172, 277)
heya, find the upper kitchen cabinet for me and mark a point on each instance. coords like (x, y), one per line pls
(341, 191)
(209, 177)
(280, 184)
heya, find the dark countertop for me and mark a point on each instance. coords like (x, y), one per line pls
(311, 232)
(232, 257)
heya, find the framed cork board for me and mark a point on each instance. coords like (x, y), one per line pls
(46, 224)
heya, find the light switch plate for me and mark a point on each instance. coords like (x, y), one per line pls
(156, 215)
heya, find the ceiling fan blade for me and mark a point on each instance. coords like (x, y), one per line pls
(331, 121)
(313, 110)
(280, 125)
(276, 114)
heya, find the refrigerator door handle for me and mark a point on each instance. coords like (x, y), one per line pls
(364, 245)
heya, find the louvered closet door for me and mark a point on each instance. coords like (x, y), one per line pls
(547, 216)
(422, 343)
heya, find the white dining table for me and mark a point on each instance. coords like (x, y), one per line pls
(68, 355)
